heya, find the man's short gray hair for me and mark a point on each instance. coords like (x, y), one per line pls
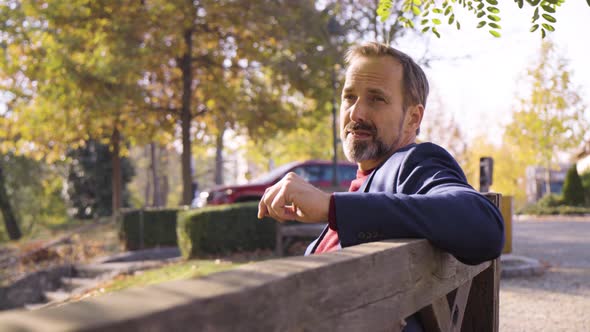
(415, 84)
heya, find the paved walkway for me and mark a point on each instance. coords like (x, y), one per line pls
(559, 300)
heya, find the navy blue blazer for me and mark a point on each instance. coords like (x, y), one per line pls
(420, 192)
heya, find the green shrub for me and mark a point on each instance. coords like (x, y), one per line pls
(550, 201)
(585, 178)
(573, 191)
(224, 228)
(536, 209)
(159, 228)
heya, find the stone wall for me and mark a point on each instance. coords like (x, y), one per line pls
(30, 288)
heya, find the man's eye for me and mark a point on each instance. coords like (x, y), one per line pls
(349, 97)
(377, 99)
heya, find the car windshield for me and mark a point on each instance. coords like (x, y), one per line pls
(272, 175)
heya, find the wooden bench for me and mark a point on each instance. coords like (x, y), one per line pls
(370, 287)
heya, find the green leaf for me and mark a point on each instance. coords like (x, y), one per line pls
(436, 21)
(480, 14)
(521, 3)
(588, 1)
(494, 18)
(425, 13)
(437, 11)
(549, 9)
(424, 21)
(480, 6)
(417, 2)
(459, 24)
(451, 19)
(435, 32)
(425, 29)
(495, 33)
(416, 10)
(543, 34)
(534, 28)
(548, 27)
(481, 24)
(549, 18)
(493, 10)
(384, 9)
(492, 2)
(494, 25)
(448, 10)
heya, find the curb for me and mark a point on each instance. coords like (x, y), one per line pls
(514, 266)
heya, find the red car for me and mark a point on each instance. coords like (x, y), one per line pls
(316, 172)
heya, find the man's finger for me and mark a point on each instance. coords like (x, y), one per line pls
(278, 204)
(262, 210)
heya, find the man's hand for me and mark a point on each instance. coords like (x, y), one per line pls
(292, 198)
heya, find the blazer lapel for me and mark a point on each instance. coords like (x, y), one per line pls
(367, 184)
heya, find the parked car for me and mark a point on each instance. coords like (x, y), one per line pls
(316, 172)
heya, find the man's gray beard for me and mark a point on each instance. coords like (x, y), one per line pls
(358, 151)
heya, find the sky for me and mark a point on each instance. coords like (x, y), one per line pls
(476, 76)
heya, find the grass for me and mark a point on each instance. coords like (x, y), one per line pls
(175, 271)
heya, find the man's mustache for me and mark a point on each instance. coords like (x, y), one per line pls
(354, 126)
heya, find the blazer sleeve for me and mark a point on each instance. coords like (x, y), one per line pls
(431, 200)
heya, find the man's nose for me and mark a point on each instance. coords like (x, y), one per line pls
(358, 111)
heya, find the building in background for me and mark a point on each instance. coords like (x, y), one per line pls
(535, 181)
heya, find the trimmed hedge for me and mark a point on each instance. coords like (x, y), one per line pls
(224, 228)
(159, 228)
(553, 204)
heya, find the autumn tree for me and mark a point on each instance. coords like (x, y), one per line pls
(550, 119)
(71, 69)
(439, 126)
(10, 222)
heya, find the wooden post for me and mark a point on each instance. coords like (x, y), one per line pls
(483, 306)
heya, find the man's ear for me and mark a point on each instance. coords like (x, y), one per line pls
(414, 117)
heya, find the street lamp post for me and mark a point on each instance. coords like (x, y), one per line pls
(334, 130)
(334, 30)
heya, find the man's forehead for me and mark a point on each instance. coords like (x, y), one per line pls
(373, 73)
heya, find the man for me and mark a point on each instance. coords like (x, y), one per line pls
(403, 189)
(409, 190)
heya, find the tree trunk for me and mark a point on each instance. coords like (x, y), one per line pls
(157, 201)
(187, 78)
(165, 186)
(9, 219)
(219, 157)
(148, 181)
(117, 187)
(548, 179)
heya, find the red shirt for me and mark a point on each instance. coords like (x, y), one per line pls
(330, 241)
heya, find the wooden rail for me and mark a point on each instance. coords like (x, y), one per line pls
(370, 287)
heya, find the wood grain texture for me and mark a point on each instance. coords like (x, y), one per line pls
(370, 287)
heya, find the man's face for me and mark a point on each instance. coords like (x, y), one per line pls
(372, 118)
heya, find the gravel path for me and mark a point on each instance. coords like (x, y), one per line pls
(559, 300)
